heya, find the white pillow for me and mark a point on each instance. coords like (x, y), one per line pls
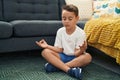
(85, 8)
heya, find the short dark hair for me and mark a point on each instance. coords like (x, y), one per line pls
(71, 8)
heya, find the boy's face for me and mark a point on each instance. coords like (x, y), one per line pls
(69, 19)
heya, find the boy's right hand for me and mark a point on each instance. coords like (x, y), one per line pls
(42, 43)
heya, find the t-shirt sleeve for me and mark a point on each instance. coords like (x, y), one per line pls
(58, 39)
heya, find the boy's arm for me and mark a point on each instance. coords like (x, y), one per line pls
(42, 43)
(56, 49)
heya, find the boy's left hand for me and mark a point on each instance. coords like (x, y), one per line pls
(83, 47)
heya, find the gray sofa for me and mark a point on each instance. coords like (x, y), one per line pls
(22, 22)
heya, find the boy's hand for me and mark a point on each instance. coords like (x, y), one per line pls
(83, 47)
(42, 43)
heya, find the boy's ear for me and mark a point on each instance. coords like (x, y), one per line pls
(78, 18)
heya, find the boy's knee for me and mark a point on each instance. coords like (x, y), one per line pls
(88, 57)
(44, 52)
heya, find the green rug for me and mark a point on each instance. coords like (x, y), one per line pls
(31, 67)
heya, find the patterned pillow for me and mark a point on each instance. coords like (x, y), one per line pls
(85, 8)
(117, 9)
(106, 8)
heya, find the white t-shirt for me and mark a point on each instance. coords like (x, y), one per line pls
(69, 42)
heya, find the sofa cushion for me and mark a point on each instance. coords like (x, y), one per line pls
(31, 10)
(6, 30)
(61, 3)
(1, 10)
(25, 28)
